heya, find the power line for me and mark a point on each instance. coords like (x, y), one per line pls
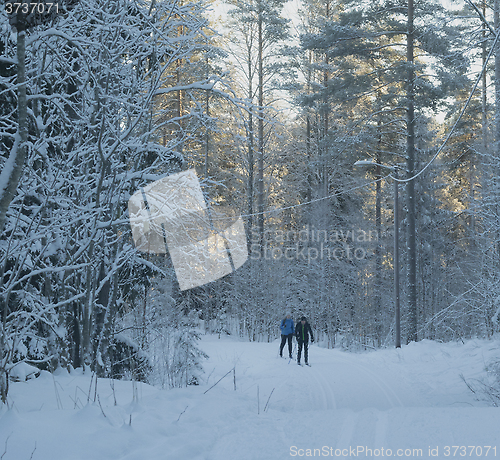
(343, 192)
(497, 36)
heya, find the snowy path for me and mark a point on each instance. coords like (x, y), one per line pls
(407, 403)
(333, 382)
(392, 399)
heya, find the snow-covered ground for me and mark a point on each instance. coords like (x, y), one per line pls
(406, 403)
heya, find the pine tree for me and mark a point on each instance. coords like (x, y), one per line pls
(260, 32)
(363, 43)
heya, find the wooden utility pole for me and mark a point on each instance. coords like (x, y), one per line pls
(410, 163)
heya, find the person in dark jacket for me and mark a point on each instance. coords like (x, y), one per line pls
(287, 330)
(302, 333)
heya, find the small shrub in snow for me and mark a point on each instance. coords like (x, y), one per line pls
(488, 388)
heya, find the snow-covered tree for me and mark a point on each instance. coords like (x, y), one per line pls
(96, 134)
(369, 52)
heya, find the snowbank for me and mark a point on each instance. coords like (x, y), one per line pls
(408, 403)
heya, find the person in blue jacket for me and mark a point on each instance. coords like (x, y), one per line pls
(287, 331)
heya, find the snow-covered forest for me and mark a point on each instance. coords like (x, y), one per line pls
(102, 98)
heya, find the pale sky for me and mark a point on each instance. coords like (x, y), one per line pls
(220, 10)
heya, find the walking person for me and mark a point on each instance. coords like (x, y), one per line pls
(287, 331)
(302, 332)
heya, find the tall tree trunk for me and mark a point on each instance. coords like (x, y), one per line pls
(250, 192)
(10, 176)
(484, 89)
(484, 106)
(251, 160)
(87, 310)
(496, 133)
(12, 171)
(378, 251)
(308, 134)
(260, 207)
(178, 104)
(497, 78)
(179, 101)
(410, 187)
(309, 158)
(326, 77)
(207, 131)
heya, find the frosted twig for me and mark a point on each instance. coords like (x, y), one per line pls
(99, 401)
(112, 384)
(258, 401)
(90, 387)
(210, 375)
(181, 414)
(5, 450)
(267, 403)
(33, 453)
(58, 397)
(218, 381)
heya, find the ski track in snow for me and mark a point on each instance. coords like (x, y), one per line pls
(392, 397)
(324, 379)
(348, 431)
(335, 376)
(381, 429)
(325, 388)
